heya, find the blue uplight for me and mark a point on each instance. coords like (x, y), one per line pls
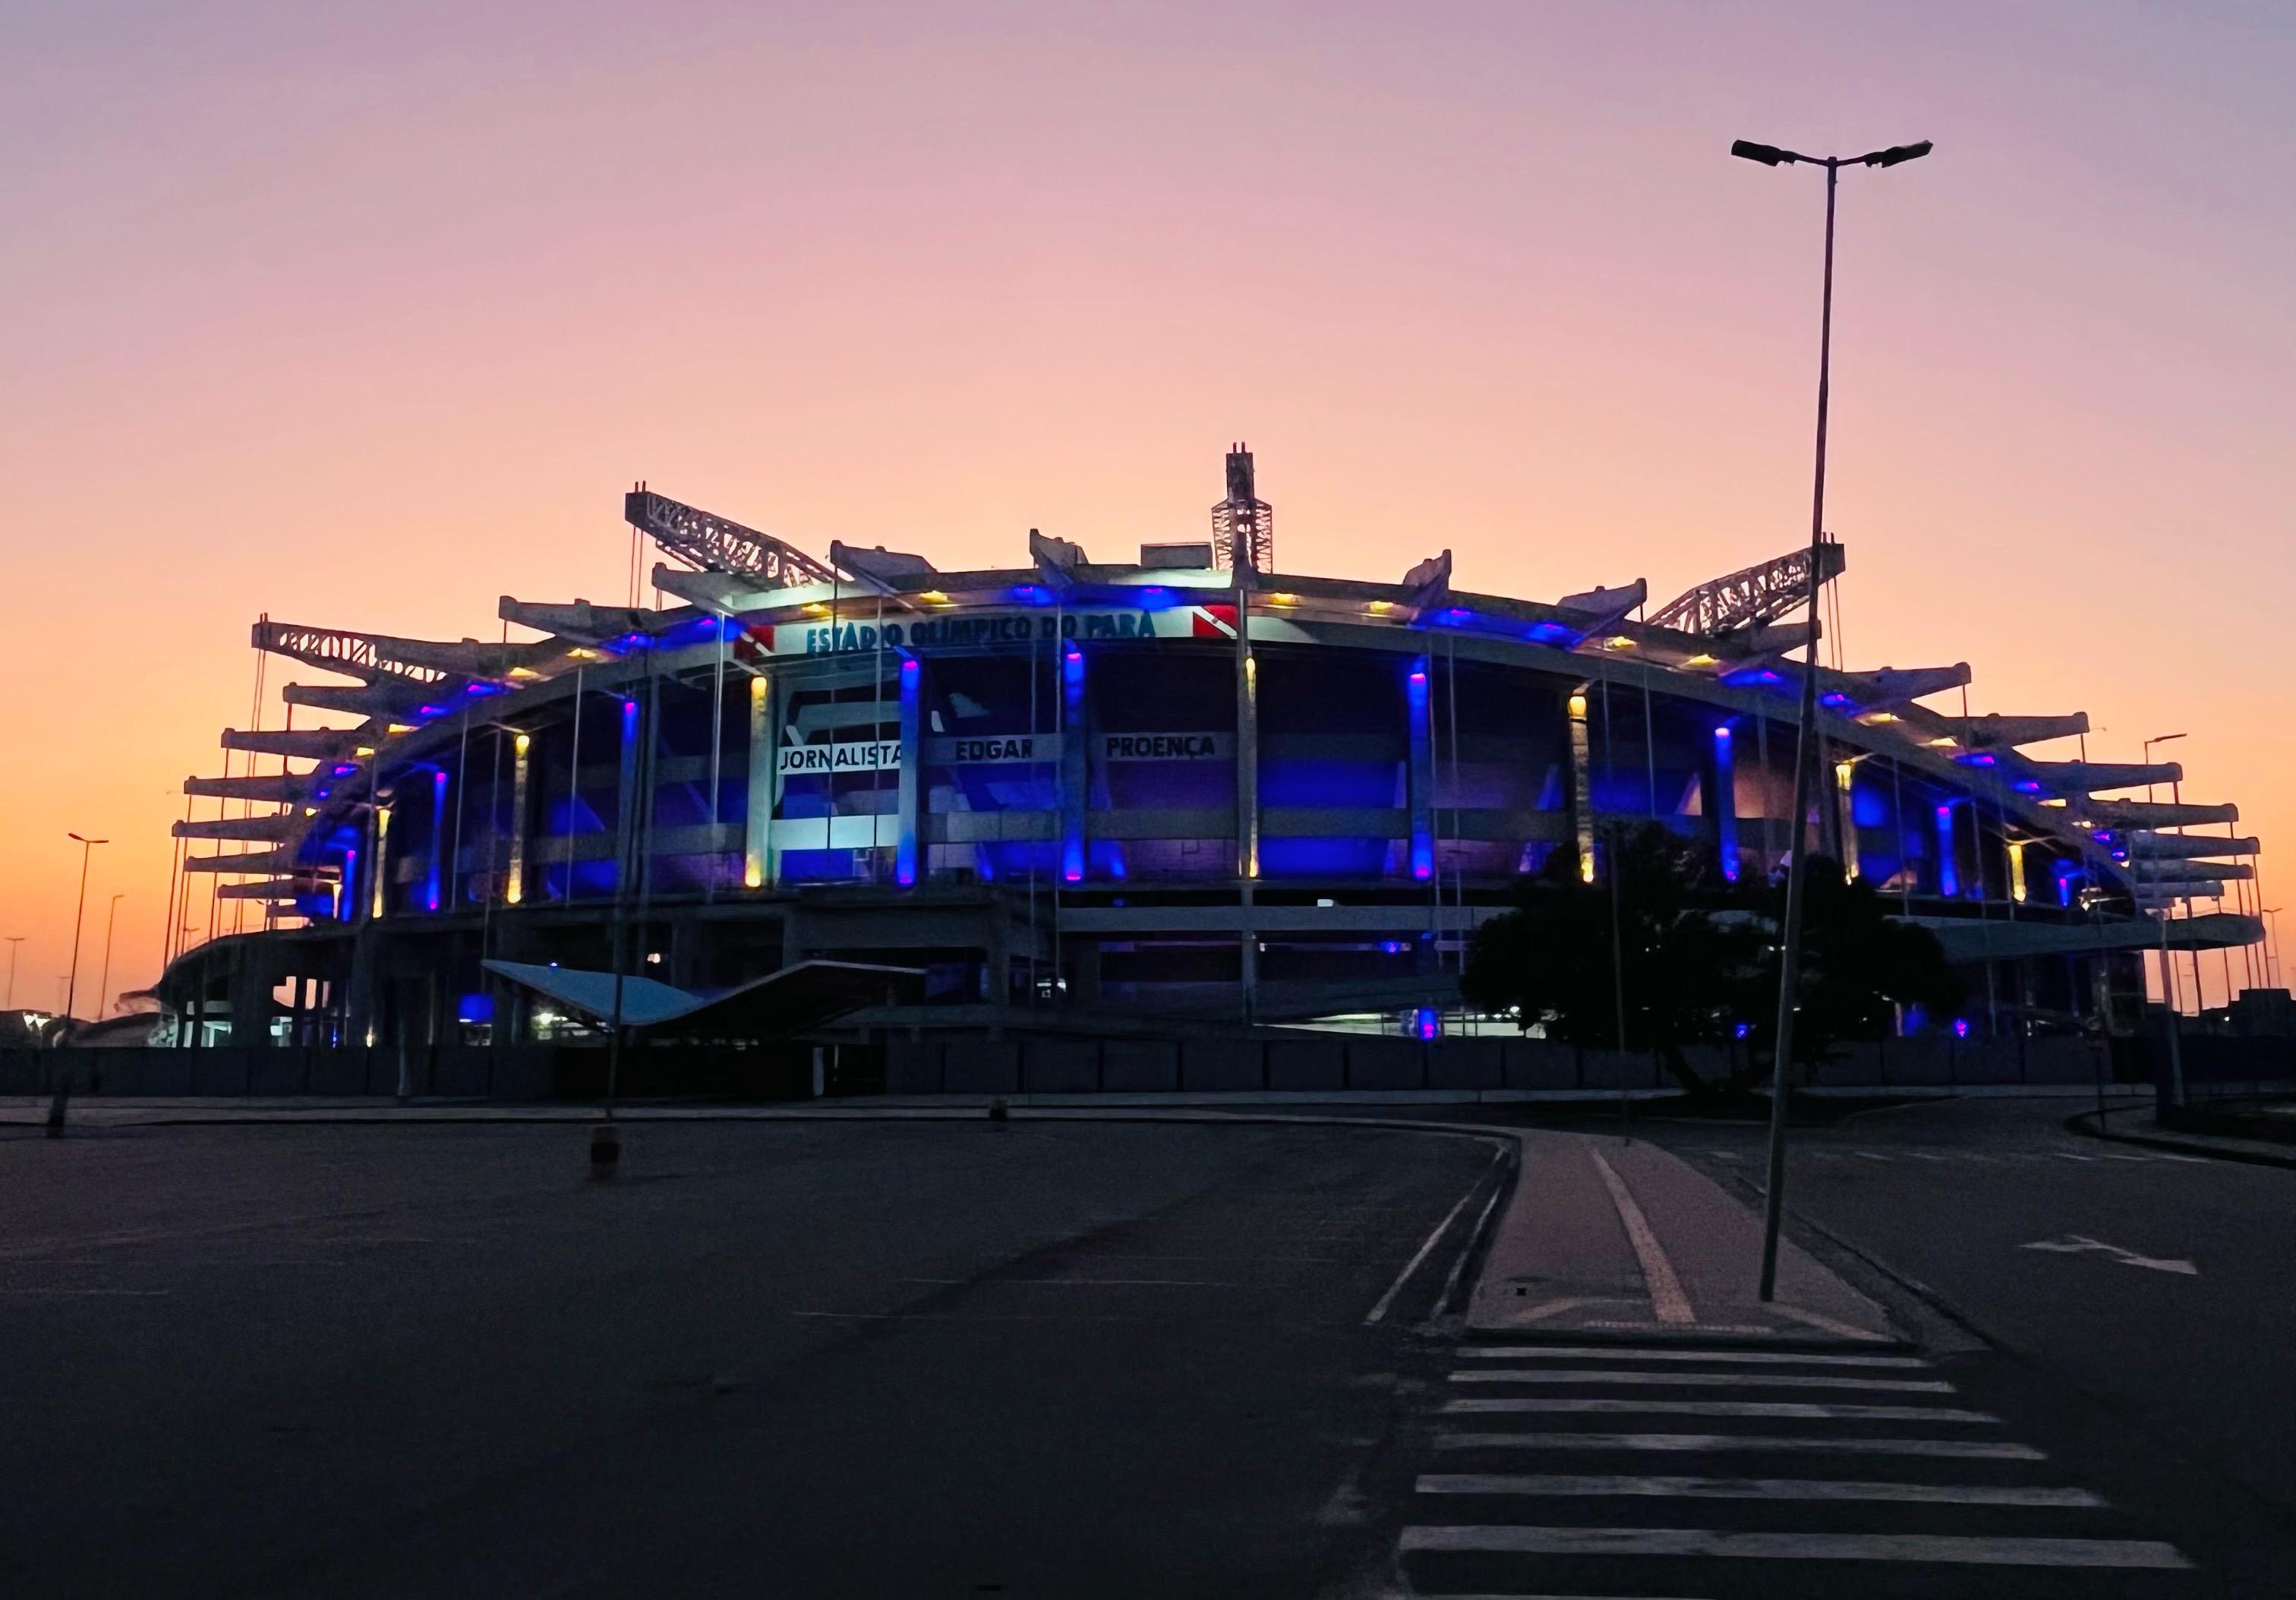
(481, 689)
(1961, 1027)
(1032, 593)
(1422, 839)
(1426, 1022)
(1741, 1030)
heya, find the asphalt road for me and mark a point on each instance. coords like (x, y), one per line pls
(2135, 1309)
(864, 1359)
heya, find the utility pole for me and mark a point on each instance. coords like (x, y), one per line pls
(71, 980)
(104, 984)
(1796, 863)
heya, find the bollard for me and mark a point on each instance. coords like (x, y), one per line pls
(605, 1150)
(58, 1103)
(996, 1108)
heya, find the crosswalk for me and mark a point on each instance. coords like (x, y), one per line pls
(1669, 1470)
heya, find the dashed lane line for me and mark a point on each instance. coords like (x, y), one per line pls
(1562, 1352)
(1575, 1406)
(1716, 1379)
(1957, 1449)
(1748, 1489)
(1706, 1542)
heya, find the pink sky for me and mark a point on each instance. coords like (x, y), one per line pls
(364, 321)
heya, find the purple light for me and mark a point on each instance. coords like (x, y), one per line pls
(344, 769)
(1836, 698)
(483, 688)
(1961, 1027)
(433, 711)
(1426, 1022)
(1741, 1030)
(2025, 786)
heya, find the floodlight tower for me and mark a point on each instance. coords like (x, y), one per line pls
(1243, 526)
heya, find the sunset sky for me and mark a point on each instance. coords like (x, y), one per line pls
(364, 316)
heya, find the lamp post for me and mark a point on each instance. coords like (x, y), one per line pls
(2167, 982)
(1797, 867)
(14, 940)
(71, 980)
(104, 984)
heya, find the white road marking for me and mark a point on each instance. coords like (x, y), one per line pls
(1565, 1484)
(1387, 1300)
(2127, 1553)
(2074, 1244)
(1923, 1155)
(1963, 1449)
(1798, 1409)
(2066, 1155)
(1466, 1248)
(1558, 1352)
(1699, 1380)
(1669, 1303)
(1870, 1156)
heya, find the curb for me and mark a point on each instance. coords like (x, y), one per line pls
(2084, 1123)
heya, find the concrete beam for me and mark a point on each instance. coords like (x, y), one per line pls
(1997, 732)
(2146, 846)
(242, 866)
(271, 829)
(302, 745)
(376, 700)
(282, 788)
(2153, 813)
(581, 621)
(2150, 873)
(1599, 608)
(2087, 777)
(1895, 686)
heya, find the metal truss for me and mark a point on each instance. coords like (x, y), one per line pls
(1748, 598)
(712, 544)
(339, 649)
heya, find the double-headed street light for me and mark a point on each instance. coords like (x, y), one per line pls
(1797, 869)
(71, 980)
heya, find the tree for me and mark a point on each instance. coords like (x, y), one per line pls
(1698, 956)
(1549, 960)
(1858, 965)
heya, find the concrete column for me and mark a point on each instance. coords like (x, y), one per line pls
(905, 844)
(626, 798)
(757, 823)
(1582, 797)
(1722, 803)
(1074, 754)
(1419, 709)
(513, 886)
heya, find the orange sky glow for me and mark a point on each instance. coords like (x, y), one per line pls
(365, 316)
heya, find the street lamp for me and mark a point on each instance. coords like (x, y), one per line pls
(71, 980)
(104, 984)
(14, 940)
(2167, 982)
(1796, 870)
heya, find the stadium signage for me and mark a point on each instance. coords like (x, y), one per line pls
(1164, 747)
(959, 631)
(993, 748)
(851, 755)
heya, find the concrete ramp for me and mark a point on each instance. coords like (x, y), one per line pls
(1607, 1238)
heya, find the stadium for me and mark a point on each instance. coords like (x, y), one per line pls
(1197, 786)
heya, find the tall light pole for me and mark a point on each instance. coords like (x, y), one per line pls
(104, 984)
(2167, 982)
(1796, 865)
(2272, 946)
(14, 940)
(71, 980)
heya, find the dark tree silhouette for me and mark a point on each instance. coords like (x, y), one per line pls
(1699, 957)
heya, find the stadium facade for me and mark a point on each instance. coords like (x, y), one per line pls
(1196, 784)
